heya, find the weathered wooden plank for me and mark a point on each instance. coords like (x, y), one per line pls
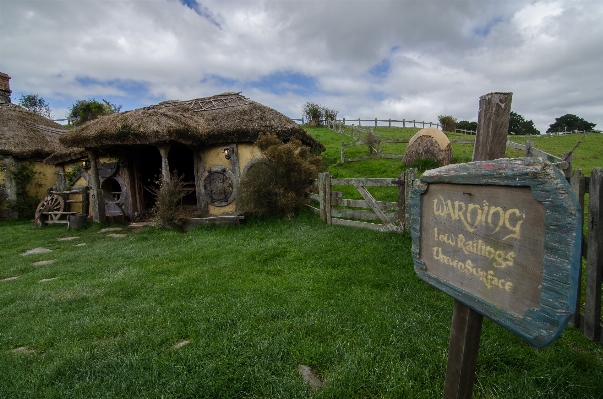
(401, 204)
(314, 197)
(373, 204)
(410, 175)
(362, 214)
(577, 184)
(364, 225)
(327, 193)
(594, 265)
(321, 196)
(381, 182)
(386, 206)
(316, 211)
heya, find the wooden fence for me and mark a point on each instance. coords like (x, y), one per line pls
(334, 209)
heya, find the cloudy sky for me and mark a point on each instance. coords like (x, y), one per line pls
(367, 59)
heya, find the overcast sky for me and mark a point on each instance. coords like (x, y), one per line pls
(367, 59)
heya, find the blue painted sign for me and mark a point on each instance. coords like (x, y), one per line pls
(502, 237)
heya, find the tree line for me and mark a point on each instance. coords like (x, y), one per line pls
(80, 112)
(521, 126)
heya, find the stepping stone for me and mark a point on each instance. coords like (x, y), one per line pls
(110, 229)
(36, 251)
(22, 349)
(114, 235)
(310, 377)
(80, 245)
(43, 262)
(66, 238)
(45, 280)
(10, 278)
(180, 344)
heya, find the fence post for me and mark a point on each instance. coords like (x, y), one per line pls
(529, 146)
(403, 122)
(390, 122)
(409, 177)
(423, 124)
(375, 122)
(359, 122)
(594, 258)
(402, 200)
(429, 124)
(352, 131)
(577, 184)
(568, 158)
(342, 151)
(414, 123)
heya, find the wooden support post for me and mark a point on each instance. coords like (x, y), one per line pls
(324, 196)
(594, 258)
(199, 165)
(462, 355)
(85, 205)
(165, 166)
(342, 155)
(375, 122)
(492, 126)
(359, 122)
(96, 194)
(577, 183)
(490, 143)
(390, 122)
(414, 123)
(403, 122)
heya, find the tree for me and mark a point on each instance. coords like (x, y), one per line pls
(466, 125)
(448, 123)
(316, 114)
(35, 104)
(87, 110)
(519, 125)
(569, 123)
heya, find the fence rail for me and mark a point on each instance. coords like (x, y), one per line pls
(335, 210)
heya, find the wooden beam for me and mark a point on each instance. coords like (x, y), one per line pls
(577, 183)
(373, 204)
(96, 194)
(594, 263)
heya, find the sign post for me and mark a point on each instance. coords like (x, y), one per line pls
(502, 238)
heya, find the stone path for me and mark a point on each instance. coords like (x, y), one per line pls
(45, 280)
(43, 262)
(13, 278)
(180, 344)
(110, 229)
(36, 251)
(67, 238)
(116, 235)
(310, 377)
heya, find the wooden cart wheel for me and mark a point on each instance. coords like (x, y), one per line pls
(52, 203)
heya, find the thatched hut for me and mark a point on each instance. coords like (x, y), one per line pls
(210, 141)
(25, 138)
(429, 143)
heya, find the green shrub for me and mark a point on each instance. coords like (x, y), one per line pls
(278, 186)
(24, 176)
(168, 196)
(372, 142)
(448, 123)
(424, 164)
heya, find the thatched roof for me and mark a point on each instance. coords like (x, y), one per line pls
(222, 119)
(24, 134)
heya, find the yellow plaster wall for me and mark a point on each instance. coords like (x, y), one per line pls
(214, 156)
(45, 176)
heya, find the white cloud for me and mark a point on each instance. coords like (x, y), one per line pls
(434, 57)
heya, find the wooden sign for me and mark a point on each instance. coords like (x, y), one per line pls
(501, 237)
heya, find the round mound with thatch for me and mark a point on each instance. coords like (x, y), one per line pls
(24, 134)
(222, 119)
(429, 143)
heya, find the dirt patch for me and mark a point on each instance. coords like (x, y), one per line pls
(116, 235)
(310, 377)
(80, 245)
(180, 344)
(13, 278)
(67, 238)
(36, 251)
(43, 262)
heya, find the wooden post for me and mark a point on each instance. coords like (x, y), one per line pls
(568, 158)
(324, 196)
(529, 147)
(490, 143)
(199, 165)
(402, 200)
(165, 166)
(577, 183)
(359, 122)
(594, 258)
(492, 126)
(96, 194)
(342, 155)
(414, 123)
(403, 122)
(409, 177)
(375, 122)
(390, 122)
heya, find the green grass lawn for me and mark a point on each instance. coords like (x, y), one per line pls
(232, 312)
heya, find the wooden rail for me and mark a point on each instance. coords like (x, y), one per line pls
(335, 210)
